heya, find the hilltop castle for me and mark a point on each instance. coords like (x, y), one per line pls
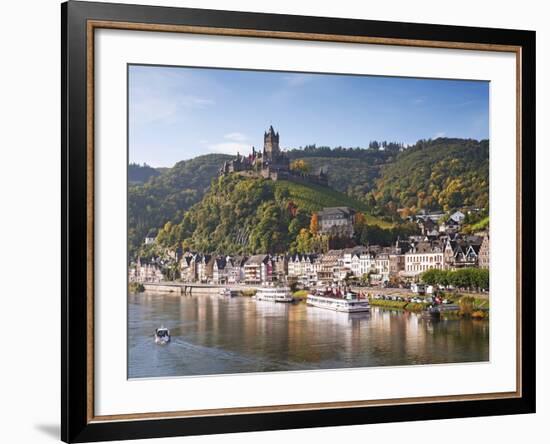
(270, 163)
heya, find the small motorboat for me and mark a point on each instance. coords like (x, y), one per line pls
(225, 292)
(431, 312)
(162, 335)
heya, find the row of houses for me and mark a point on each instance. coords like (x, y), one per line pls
(406, 259)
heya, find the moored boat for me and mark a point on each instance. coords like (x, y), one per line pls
(162, 335)
(431, 313)
(350, 303)
(226, 292)
(274, 294)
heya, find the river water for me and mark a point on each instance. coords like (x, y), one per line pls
(215, 335)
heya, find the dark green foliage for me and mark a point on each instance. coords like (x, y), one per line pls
(475, 222)
(373, 155)
(354, 177)
(140, 173)
(237, 215)
(435, 174)
(252, 215)
(468, 278)
(166, 197)
(440, 174)
(136, 287)
(368, 234)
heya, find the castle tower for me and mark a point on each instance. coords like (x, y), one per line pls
(271, 143)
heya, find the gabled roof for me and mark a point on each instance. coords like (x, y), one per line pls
(403, 246)
(423, 247)
(355, 250)
(238, 261)
(220, 263)
(336, 211)
(457, 215)
(473, 239)
(428, 223)
(257, 259)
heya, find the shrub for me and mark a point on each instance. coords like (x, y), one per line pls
(466, 305)
(136, 287)
(300, 294)
(480, 314)
(415, 306)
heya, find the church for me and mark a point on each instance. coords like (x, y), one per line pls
(270, 163)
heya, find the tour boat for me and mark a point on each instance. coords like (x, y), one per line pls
(162, 335)
(274, 294)
(431, 313)
(348, 304)
(225, 292)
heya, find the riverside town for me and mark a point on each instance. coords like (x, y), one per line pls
(262, 251)
(438, 246)
(439, 256)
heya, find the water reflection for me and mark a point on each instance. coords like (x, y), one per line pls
(213, 335)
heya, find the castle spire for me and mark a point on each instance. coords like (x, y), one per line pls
(271, 143)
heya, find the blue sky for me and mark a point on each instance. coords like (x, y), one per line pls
(179, 113)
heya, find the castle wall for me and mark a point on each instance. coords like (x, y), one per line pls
(275, 164)
(267, 173)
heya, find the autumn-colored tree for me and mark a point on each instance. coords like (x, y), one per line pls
(314, 224)
(299, 165)
(360, 219)
(405, 212)
(292, 208)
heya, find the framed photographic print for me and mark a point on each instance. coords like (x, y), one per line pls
(275, 221)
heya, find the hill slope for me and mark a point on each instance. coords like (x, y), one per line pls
(167, 196)
(313, 198)
(434, 174)
(244, 215)
(352, 176)
(138, 174)
(439, 174)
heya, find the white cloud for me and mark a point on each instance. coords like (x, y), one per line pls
(162, 108)
(196, 102)
(438, 135)
(236, 137)
(229, 147)
(152, 110)
(236, 142)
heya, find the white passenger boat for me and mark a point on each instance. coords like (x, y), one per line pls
(348, 304)
(226, 292)
(162, 335)
(274, 294)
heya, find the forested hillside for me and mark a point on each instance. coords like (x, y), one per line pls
(354, 177)
(440, 174)
(138, 174)
(387, 184)
(248, 215)
(167, 196)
